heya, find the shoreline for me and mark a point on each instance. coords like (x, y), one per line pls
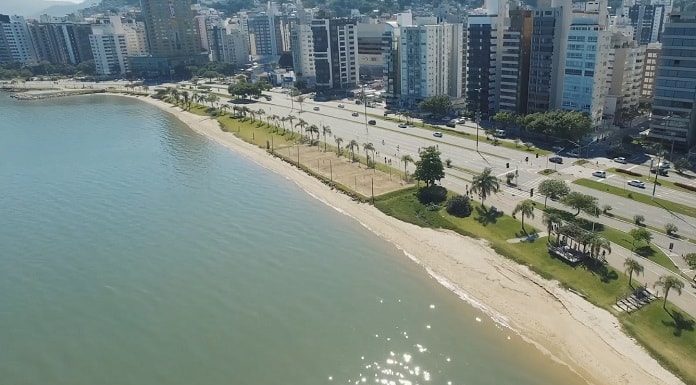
(562, 325)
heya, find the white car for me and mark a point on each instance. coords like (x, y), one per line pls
(341, 106)
(437, 134)
(664, 165)
(620, 159)
(600, 174)
(316, 108)
(636, 183)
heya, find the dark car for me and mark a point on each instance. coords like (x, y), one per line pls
(556, 159)
(372, 122)
(451, 125)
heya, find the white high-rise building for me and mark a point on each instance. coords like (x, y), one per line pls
(228, 44)
(136, 38)
(302, 43)
(430, 64)
(109, 47)
(626, 59)
(15, 40)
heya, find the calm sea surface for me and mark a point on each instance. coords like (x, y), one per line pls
(134, 251)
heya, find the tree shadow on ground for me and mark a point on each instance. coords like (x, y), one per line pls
(645, 251)
(486, 217)
(679, 323)
(600, 269)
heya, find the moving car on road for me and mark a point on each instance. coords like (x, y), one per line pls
(600, 174)
(402, 125)
(355, 114)
(372, 122)
(636, 183)
(316, 108)
(620, 159)
(556, 159)
(341, 106)
(437, 134)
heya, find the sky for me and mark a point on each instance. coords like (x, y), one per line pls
(31, 7)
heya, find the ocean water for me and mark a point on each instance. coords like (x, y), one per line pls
(134, 251)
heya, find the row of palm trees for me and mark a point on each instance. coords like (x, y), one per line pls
(590, 241)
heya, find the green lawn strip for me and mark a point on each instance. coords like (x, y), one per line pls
(547, 171)
(581, 162)
(668, 336)
(650, 252)
(638, 197)
(651, 326)
(653, 228)
(661, 181)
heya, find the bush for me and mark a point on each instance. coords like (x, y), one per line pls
(671, 229)
(638, 219)
(459, 206)
(628, 172)
(432, 194)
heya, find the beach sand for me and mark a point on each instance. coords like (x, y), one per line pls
(587, 339)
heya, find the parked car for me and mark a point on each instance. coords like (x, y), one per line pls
(664, 165)
(600, 174)
(316, 108)
(372, 122)
(402, 125)
(636, 183)
(499, 133)
(556, 159)
(437, 134)
(450, 124)
(341, 106)
(620, 159)
(461, 121)
(355, 114)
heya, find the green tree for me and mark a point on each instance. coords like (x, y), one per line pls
(504, 118)
(485, 184)
(526, 209)
(571, 125)
(581, 202)
(438, 106)
(691, 261)
(429, 167)
(638, 219)
(406, 159)
(668, 283)
(640, 235)
(671, 229)
(312, 129)
(632, 266)
(554, 189)
(597, 244)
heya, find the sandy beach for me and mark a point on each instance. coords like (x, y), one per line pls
(569, 329)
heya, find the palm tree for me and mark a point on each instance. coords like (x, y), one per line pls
(252, 113)
(632, 266)
(669, 282)
(290, 119)
(551, 220)
(236, 110)
(338, 144)
(325, 130)
(526, 208)
(187, 100)
(282, 120)
(312, 129)
(260, 112)
(352, 145)
(369, 147)
(485, 184)
(302, 124)
(300, 99)
(175, 94)
(597, 244)
(275, 118)
(245, 110)
(225, 108)
(212, 98)
(406, 159)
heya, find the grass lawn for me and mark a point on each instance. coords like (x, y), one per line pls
(601, 286)
(647, 251)
(638, 197)
(670, 337)
(547, 171)
(257, 132)
(580, 162)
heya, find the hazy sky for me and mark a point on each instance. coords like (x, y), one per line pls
(30, 7)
